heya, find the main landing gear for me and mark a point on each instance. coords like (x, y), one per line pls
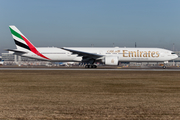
(90, 66)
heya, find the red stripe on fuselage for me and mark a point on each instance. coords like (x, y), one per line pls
(33, 49)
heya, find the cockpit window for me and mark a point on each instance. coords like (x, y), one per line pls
(173, 53)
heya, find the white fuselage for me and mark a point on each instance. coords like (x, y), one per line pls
(123, 54)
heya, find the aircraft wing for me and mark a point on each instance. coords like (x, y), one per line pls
(84, 54)
(16, 51)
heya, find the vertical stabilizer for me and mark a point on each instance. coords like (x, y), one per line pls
(18, 39)
(22, 43)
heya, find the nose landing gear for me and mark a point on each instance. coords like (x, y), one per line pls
(164, 67)
(165, 63)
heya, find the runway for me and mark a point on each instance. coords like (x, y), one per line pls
(97, 69)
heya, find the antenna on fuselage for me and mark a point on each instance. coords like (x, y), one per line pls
(135, 44)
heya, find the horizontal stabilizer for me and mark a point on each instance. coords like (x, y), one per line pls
(16, 51)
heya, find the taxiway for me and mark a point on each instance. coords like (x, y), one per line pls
(106, 69)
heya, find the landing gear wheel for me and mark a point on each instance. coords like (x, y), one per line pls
(93, 66)
(90, 66)
(164, 67)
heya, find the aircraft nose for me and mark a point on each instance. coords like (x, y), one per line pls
(176, 56)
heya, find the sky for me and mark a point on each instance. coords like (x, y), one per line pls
(103, 23)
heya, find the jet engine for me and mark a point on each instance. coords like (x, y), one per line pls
(111, 60)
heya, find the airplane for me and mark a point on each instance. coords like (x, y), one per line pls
(90, 55)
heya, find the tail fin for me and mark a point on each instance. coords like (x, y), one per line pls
(20, 40)
(22, 43)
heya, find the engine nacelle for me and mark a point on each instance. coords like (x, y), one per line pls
(111, 60)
